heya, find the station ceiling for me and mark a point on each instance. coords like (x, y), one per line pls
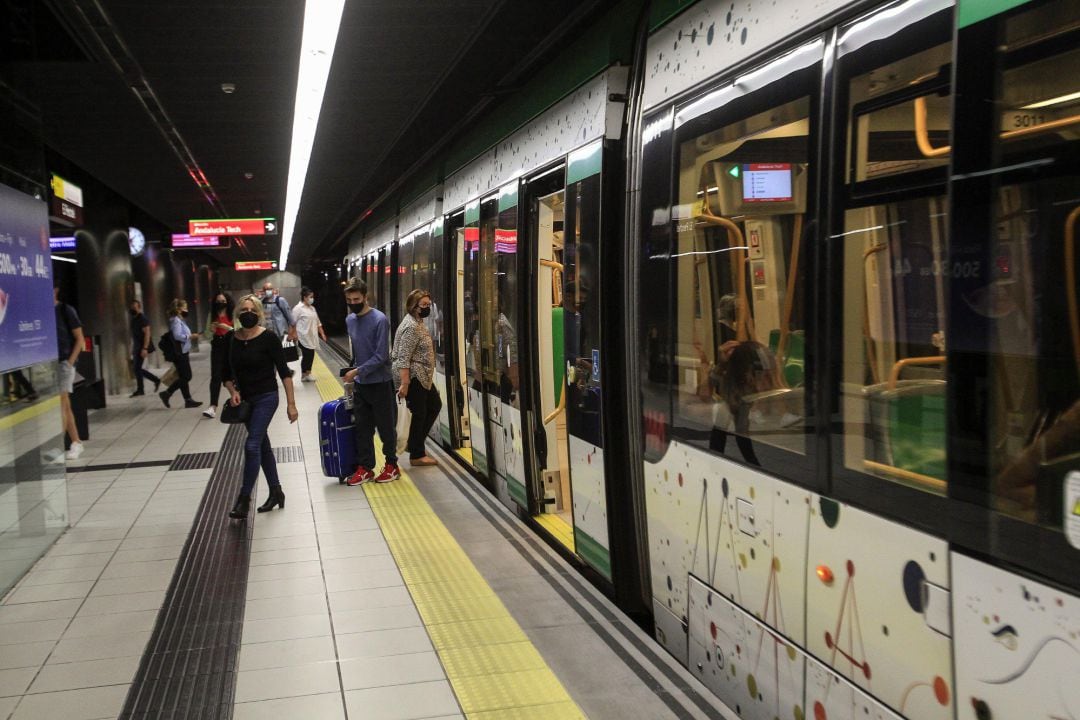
(131, 90)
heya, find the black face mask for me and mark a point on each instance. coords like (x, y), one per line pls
(183, 313)
(219, 306)
(356, 307)
(134, 313)
(249, 319)
(425, 312)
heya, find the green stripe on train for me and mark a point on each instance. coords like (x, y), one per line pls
(593, 552)
(969, 12)
(517, 491)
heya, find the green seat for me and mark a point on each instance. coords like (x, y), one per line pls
(557, 350)
(794, 367)
(907, 426)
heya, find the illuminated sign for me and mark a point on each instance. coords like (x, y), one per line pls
(62, 244)
(767, 182)
(65, 207)
(183, 240)
(256, 265)
(64, 190)
(242, 226)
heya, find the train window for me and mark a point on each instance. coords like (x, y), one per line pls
(894, 251)
(506, 278)
(740, 220)
(1028, 294)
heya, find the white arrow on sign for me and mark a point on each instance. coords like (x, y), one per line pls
(271, 227)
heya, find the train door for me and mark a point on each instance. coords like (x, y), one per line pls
(403, 278)
(450, 347)
(471, 326)
(549, 457)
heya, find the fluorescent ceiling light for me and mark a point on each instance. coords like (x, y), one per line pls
(322, 18)
(1053, 101)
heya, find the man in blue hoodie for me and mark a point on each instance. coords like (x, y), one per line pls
(373, 394)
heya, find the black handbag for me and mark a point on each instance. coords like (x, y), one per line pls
(236, 414)
(292, 351)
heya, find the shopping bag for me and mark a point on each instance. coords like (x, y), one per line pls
(404, 419)
(170, 376)
(292, 351)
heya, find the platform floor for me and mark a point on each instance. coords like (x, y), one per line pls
(423, 598)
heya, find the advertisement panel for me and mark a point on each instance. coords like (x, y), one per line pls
(27, 315)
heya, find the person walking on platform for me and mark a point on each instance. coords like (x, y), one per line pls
(414, 364)
(254, 355)
(141, 346)
(219, 327)
(308, 331)
(373, 390)
(276, 315)
(69, 345)
(181, 335)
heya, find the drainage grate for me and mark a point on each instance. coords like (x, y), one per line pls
(194, 461)
(190, 664)
(289, 454)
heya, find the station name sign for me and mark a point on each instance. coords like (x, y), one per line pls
(241, 226)
(66, 206)
(205, 241)
(62, 244)
(244, 265)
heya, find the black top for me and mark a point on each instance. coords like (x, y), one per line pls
(138, 322)
(251, 364)
(66, 322)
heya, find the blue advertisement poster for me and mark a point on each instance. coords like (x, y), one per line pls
(27, 314)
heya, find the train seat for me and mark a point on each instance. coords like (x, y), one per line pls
(907, 425)
(793, 367)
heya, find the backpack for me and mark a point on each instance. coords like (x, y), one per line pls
(168, 346)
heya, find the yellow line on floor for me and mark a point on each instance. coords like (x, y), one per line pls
(558, 527)
(493, 667)
(30, 413)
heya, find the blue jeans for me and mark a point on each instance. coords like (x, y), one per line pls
(257, 450)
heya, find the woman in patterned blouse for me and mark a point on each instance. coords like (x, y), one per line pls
(414, 364)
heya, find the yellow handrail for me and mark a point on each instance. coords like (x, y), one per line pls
(562, 405)
(744, 324)
(922, 135)
(894, 376)
(927, 481)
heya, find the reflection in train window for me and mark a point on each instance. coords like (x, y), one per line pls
(895, 267)
(1029, 295)
(900, 114)
(740, 335)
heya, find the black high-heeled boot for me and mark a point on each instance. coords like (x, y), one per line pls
(241, 508)
(276, 499)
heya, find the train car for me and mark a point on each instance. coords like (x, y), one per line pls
(776, 334)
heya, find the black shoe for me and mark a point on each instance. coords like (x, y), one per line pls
(137, 393)
(192, 403)
(277, 498)
(164, 395)
(240, 509)
(157, 384)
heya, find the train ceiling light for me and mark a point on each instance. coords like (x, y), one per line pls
(322, 18)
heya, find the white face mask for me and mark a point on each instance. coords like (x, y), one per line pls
(268, 294)
(309, 301)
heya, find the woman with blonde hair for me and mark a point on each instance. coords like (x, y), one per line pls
(254, 357)
(181, 336)
(414, 366)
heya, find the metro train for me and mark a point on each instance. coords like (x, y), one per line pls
(776, 333)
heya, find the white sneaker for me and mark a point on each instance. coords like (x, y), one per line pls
(307, 378)
(74, 451)
(210, 412)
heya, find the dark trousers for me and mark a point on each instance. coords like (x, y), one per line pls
(374, 407)
(183, 369)
(20, 385)
(218, 352)
(257, 449)
(424, 406)
(141, 373)
(307, 358)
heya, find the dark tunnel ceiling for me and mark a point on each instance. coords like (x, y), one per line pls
(403, 73)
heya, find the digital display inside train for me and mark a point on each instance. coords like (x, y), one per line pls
(767, 182)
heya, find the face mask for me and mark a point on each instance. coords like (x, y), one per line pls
(425, 312)
(249, 319)
(219, 306)
(134, 313)
(268, 294)
(183, 313)
(309, 301)
(356, 307)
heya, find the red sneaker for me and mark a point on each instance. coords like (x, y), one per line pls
(361, 476)
(389, 472)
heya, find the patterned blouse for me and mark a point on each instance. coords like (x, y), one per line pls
(413, 349)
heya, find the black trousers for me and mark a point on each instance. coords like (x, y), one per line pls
(374, 407)
(141, 373)
(424, 404)
(218, 354)
(307, 358)
(183, 369)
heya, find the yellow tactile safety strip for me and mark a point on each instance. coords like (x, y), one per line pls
(465, 453)
(17, 418)
(494, 669)
(558, 527)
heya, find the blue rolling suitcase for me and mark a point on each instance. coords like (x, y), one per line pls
(337, 439)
